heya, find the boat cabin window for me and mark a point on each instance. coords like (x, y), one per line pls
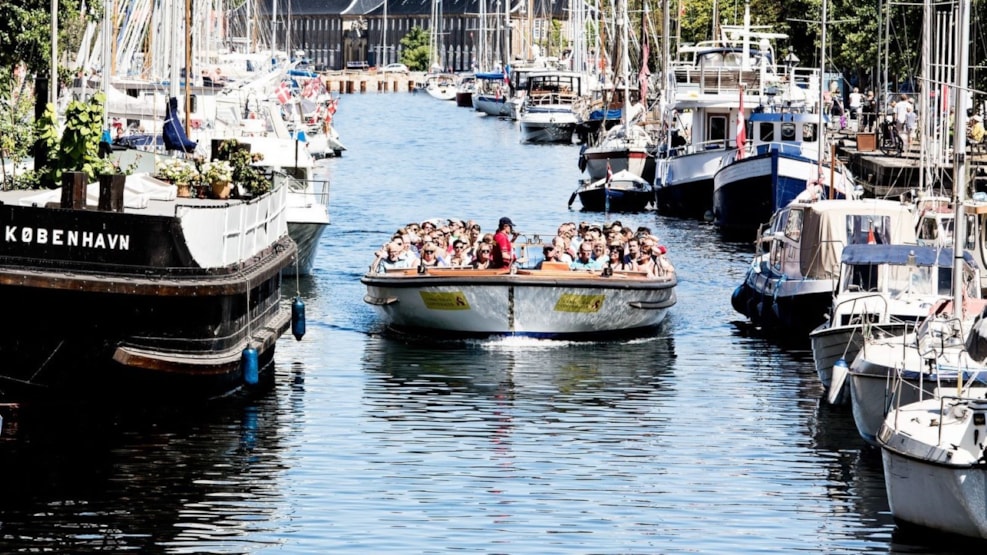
(793, 226)
(928, 231)
(766, 131)
(924, 280)
(777, 248)
(711, 59)
(808, 132)
(864, 277)
(867, 228)
(788, 131)
(971, 233)
(733, 59)
(716, 126)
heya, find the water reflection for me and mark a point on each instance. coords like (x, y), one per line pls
(163, 479)
(584, 372)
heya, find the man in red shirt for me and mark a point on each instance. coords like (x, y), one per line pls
(503, 254)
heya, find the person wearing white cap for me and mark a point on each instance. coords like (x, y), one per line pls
(975, 130)
(503, 255)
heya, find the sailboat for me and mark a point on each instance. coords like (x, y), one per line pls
(932, 449)
(628, 146)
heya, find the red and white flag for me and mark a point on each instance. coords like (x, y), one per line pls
(741, 127)
(283, 92)
(313, 88)
(645, 72)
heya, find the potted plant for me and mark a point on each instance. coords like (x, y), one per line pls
(248, 178)
(178, 172)
(219, 175)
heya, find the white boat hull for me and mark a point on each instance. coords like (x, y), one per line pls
(873, 373)
(306, 237)
(527, 303)
(491, 105)
(933, 468)
(547, 126)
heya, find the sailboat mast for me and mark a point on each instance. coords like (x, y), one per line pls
(53, 83)
(822, 91)
(625, 62)
(188, 64)
(107, 39)
(960, 93)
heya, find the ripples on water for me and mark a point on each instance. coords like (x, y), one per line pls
(702, 438)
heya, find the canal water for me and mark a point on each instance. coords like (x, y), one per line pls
(703, 438)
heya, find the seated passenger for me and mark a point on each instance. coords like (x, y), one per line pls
(644, 263)
(483, 260)
(548, 253)
(585, 260)
(615, 258)
(663, 265)
(430, 257)
(459, 256)
(633, 250)
(390, 258)
(563, 253)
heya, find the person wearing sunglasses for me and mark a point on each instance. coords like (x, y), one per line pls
(483, 260)
(459, 255)
(431, 258)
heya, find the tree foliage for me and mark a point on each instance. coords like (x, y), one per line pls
(25, 32)
(415, 51)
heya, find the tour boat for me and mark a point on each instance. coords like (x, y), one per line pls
(548, 302)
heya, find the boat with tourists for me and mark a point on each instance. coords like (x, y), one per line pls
(491, 94)
(546, 299)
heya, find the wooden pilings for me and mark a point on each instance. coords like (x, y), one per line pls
(347, 83)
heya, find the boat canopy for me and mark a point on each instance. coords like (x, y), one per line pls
(860, 255)
(825, 227)
(492, 76)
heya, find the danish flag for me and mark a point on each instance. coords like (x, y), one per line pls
(741, 127)
(283, 92)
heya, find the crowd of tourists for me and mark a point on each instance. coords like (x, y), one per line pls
(580, 247)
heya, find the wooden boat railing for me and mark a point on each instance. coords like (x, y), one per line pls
(554, 270)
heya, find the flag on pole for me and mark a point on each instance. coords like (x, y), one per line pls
(741, 127)
(314, 88)
(644, 73)
(283, 92)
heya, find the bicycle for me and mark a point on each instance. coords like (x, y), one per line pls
(890, 140)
